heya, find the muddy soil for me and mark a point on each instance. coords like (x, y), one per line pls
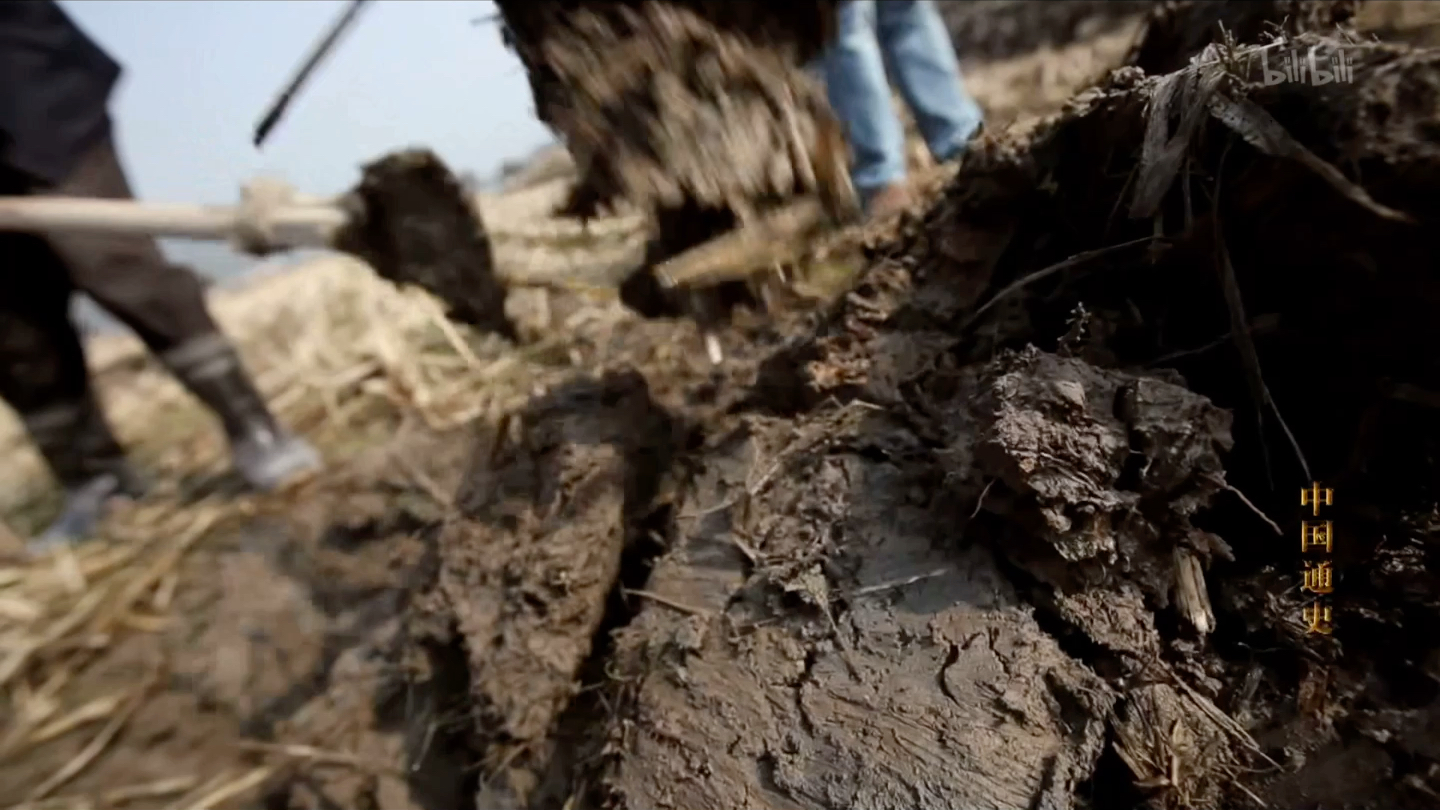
(1004, 527)
(1013, 524)
(411, 221)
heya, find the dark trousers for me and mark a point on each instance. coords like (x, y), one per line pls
(42, 361)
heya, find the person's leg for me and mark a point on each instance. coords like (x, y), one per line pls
(913, 38)
(860, 95)
(44, 378)
(165, 304)
(127, 274)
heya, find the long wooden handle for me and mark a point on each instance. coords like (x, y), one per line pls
(307, 221)
(294, 226)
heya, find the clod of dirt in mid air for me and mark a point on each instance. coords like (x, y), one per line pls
(412, 221)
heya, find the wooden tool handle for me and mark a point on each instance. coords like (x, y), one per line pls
(294, 226)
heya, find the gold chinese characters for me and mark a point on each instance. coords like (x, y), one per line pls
(1318, 578)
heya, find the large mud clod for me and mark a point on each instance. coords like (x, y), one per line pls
(819, 645)
(1104, 468)
(412, 222)
(529, 564)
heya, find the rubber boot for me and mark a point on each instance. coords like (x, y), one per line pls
(77, 444)
(264, 453)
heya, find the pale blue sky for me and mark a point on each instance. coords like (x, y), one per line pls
(199, 74)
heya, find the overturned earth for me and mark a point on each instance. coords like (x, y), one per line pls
(1012, 524)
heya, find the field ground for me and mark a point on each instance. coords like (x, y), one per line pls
(322, 647)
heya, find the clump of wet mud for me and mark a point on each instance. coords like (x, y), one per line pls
(411, 221)
(1012, 525)
(529, 564)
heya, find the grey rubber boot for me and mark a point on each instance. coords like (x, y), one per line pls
(264, 453)
(84, 456)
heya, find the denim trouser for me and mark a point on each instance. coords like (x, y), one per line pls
(910, 35)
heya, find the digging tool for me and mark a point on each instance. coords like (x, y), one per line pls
(778, 237)
(317, 54)
(408, 218)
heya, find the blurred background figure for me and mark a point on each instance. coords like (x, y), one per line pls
(911, 37)
(55, 138)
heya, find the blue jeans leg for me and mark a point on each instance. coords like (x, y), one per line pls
(913, 36)
(860, 95)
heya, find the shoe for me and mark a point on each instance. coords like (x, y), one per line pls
(268, 457)
(888, 202)
(84, 507)
(958, 154)
(265, 454)
(77, 444)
